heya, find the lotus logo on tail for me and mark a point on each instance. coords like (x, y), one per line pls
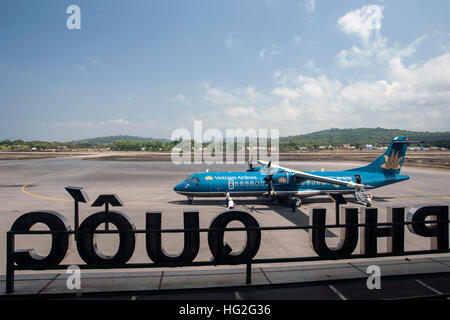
(392, 162)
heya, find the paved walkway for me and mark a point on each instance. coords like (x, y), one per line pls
(324, 281)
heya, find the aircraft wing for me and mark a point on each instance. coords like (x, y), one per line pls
(309, 176)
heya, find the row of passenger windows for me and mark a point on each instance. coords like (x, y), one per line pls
(251, 183)
(257, 183)
(313, 182)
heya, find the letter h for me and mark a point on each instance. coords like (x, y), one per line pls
(394, 232)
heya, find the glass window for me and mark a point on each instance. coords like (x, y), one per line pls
(246, 183)
(242, 183)
(236, 183)
(251, 183)
(257, 183)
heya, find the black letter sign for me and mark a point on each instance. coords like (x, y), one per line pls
(155, 250)
(349, 235)
(438, 232)
(221, 251)
(395, 233)
(60, 241)
(87, 246)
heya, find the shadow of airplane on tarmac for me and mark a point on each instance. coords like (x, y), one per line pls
(297, 217)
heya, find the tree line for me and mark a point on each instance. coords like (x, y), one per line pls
(335, 138)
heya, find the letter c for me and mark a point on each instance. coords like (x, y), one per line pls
(60, 241)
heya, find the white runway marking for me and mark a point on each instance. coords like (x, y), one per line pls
(429, 287)
(337, 292)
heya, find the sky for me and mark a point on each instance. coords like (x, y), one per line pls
(146, 68)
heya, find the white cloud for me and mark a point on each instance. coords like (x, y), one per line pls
(415, 97)
(88, 124)
(354, 57)
(286, 93)
(297, 39)
(269, 53)
(365, 24)
(236, 97)
(220, 97)
(240, 111)
(310, 6)
(119, 121)
(311, 65)
(73, 124)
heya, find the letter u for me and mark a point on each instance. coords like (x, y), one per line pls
(348, 238)
(156, 252)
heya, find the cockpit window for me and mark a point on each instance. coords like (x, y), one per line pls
(191, 178)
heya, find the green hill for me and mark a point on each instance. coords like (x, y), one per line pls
(361, 136)
(335, 137)
(101, 141)
(367, 136)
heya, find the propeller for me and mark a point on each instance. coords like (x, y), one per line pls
(269, 181)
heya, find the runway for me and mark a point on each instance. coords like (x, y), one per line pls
(28, 185)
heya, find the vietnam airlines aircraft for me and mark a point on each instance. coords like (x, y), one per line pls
(276, 181)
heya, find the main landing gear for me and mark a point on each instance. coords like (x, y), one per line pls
(295, 202)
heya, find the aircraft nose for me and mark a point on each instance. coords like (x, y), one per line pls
(179, 187)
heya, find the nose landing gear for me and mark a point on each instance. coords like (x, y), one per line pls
(189, 200)
(363, 197)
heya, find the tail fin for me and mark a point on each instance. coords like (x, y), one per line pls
(392, 160)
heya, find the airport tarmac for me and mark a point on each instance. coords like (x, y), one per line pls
(29, 185)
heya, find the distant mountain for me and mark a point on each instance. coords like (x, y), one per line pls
(368, 135)
(358, 136)
(111, 139)
(335, 137)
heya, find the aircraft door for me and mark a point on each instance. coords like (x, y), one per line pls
(358, 179)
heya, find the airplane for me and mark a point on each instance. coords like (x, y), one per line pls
(275, 181)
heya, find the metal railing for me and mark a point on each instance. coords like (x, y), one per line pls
(11, 267)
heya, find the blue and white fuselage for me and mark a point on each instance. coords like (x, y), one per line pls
(383, 171)
(215, 184)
